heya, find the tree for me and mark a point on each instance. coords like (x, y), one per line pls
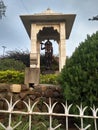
(2, 9)
(22, 56)
(79, 77)
(94, 18)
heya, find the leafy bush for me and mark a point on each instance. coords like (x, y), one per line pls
(49, 79)
(11, 77)
(11, 64)
(79, 77)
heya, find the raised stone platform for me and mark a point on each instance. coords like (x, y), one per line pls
(38, 93)
(41, 90)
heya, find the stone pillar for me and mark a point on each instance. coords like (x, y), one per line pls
(32, 73)
(38, 56)
(34, 52)
(62, 55)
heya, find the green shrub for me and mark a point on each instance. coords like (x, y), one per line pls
(9, 76)
(48, 79)
(11, 64)
(79, 77)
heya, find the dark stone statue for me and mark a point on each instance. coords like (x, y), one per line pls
(48, 53)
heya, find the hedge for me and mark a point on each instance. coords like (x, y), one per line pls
(49, 79)
(10, 76)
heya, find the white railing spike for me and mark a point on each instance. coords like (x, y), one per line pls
(50, 113)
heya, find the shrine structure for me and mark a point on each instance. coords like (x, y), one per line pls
(43, 26)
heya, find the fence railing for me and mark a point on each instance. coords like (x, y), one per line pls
(50, 113)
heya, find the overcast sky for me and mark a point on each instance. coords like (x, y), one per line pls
(14, 36)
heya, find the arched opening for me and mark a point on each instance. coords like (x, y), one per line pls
(49, 34)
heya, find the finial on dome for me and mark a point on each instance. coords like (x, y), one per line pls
(48, 9)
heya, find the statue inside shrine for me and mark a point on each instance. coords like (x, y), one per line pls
(48, 53)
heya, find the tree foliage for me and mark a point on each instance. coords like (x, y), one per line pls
(24, 57)
(2, 9)
(79, 77)
(19, 55)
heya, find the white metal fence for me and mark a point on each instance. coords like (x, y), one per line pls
(50, 113)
